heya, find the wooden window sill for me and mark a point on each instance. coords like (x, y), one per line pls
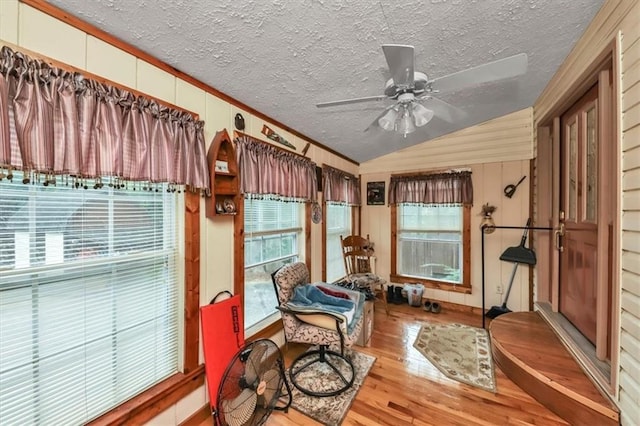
(266, 332)
(154, 401)
(440, 285)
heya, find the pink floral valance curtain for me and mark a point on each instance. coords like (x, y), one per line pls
(54, 122)
(438, 188)
(340, 187)
(270, 172)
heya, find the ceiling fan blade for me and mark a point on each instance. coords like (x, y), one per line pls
(374, 123)
(400, 61)
(444, 110)
(351, 101)
(492, 71)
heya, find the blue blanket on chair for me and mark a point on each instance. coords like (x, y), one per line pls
(309, 295)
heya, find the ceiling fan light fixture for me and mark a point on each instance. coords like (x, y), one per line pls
(421, 115)
(405, 122)
(388, 121)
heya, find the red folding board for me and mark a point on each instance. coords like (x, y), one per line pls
(222, 337)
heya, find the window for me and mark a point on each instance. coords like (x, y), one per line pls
(273, 237)
(338, 222)
(89, 313)
(431, 244)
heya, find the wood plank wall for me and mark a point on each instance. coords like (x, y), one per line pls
(505, 138)
(30, 26)
(618, 21)
(498, 152)
(629, 390)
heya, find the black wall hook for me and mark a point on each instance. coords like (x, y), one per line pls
(510, 189)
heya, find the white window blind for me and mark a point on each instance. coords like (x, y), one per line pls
(429, 242)
(272, 239)
(88, 298)
(338, 222)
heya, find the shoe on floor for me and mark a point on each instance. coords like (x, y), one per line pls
(427, 306)
(435, 307)
(398, 299)
(390, 294)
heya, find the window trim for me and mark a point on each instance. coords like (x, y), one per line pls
(275, 326)
(163, 395)
(354, 214)
(465, 286)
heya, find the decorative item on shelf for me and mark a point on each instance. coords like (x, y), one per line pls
(229, 205)
(487, 218)
(510, 189)
(268, 132)
(219, 207)
(222, 166)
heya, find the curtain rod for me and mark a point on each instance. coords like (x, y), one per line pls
(347, 175)
(432, 172)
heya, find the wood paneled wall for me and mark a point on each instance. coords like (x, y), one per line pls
(498, 153)
(29, 28)
(617, 22)
(507, 138)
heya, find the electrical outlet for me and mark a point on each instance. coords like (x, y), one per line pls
(499, 289)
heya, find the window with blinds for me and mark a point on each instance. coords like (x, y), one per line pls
(338, 222)
(89, 298)
(429, 242)
(273, 232)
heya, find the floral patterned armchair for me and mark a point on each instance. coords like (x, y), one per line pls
(331, 331)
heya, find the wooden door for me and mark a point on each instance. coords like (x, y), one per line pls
(579, 214)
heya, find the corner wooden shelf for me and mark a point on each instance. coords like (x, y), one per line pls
(225, 184)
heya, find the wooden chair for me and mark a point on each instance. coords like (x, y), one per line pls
(357, 253)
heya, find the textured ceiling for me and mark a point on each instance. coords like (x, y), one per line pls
(281, 57)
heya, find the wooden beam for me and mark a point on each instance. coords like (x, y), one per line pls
(191, 281)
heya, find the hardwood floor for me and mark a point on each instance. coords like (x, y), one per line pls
(542, 366)
(403, 388)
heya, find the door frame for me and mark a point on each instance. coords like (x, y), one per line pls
(547, 181)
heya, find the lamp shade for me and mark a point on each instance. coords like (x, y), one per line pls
(405, 124)
(421, 115)
(388, 121)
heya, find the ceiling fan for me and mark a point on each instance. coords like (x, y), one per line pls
(410, 89)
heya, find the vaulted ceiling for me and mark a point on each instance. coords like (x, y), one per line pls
(282, 57)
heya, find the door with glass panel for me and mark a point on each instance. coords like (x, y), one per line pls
(577, 236)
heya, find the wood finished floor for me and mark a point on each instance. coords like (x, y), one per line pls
(403, 388)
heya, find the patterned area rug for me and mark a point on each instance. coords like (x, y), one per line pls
(329, 410)
(460, 352)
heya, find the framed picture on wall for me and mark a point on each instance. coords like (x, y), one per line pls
(375, 193)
